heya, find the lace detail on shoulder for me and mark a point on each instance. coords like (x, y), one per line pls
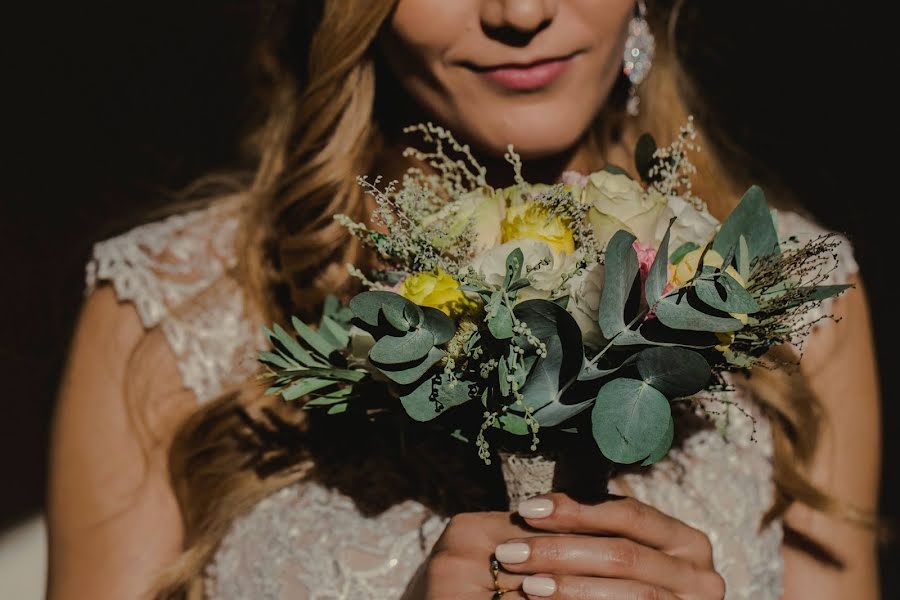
(175, 272)
(838, 268)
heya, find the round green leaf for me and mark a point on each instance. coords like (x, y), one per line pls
(439, 324)
(433, 396)
(660, 452)
(407, 374)
(675, 372)
(629, 420)
(367, 305)
(395, 350)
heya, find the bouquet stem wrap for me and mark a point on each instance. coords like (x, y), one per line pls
(572, 469)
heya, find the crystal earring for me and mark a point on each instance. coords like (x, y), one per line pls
(638, 55)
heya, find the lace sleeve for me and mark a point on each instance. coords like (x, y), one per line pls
(836, 269)
(176, 274)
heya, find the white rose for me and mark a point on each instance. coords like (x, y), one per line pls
(491, 266)
(691, 225)
(584, 304)
(482, 208)
(618, 202)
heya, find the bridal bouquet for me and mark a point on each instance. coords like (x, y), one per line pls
(588, 306)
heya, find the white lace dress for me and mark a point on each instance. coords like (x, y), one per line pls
(307, 542)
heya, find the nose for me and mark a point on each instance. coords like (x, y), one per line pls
(526, 16)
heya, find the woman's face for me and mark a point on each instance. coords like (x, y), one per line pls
(533, 73)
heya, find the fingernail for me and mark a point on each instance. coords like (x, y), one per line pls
(538, 586)
(512, 553)
(536, 508)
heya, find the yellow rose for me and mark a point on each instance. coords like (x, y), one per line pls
(530, 220)
(685, 270)
(436, 289)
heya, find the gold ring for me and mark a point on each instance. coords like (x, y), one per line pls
(495, 573)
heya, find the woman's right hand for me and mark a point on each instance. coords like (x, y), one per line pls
(459, 565)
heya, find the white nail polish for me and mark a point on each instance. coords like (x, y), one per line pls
(512, 553)
(536, 508)
(539, 586)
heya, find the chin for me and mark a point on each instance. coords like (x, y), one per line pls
(536, 132)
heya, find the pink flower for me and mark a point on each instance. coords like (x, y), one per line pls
(646, 254)
(574, 178)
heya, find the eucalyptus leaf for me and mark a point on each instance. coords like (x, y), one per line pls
(514, 262)
(658, 276)
(674, 372)
(682, 251)
(410, 373)
(433, 396)
(615, 170)
(621, 269)
(629, 420)
(394, 350)
(338, 409)
(513, 424)
(501, 323)
(753, 220)
(724, 293)
(336, 334)
(743, 258)
(660, 452)
(316, 341)
(440, 325)
(555, 413)
(503, 377)
(366, 306)
(396, 318)
(297, 352)
(304, 386)
(683, 310)
(547, 320)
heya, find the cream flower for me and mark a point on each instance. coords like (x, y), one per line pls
(691, 225)
(548, 277)
(584, 304)
(483, 208)
(619, 203)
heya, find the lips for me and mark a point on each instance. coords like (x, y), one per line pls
(524, 77)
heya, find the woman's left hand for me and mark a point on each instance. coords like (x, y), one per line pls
(621, 548)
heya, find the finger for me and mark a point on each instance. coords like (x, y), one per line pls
(620, 516)
(571, 587)
(611, 557)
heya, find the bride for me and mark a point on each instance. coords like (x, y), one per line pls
(174, 476)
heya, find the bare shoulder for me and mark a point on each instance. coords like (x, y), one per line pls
(110, 503)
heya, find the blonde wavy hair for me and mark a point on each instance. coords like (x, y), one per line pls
(322, 126)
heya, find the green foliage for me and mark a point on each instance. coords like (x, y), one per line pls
(433, 396)
(752, 220)
(621, 269)
(721, 292)
(682, 251)
(675, 372)
(396, 350)
(629, 420)
(682, 309)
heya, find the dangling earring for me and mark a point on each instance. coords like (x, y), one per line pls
(638, 55)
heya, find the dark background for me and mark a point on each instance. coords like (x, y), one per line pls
(113, 105)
